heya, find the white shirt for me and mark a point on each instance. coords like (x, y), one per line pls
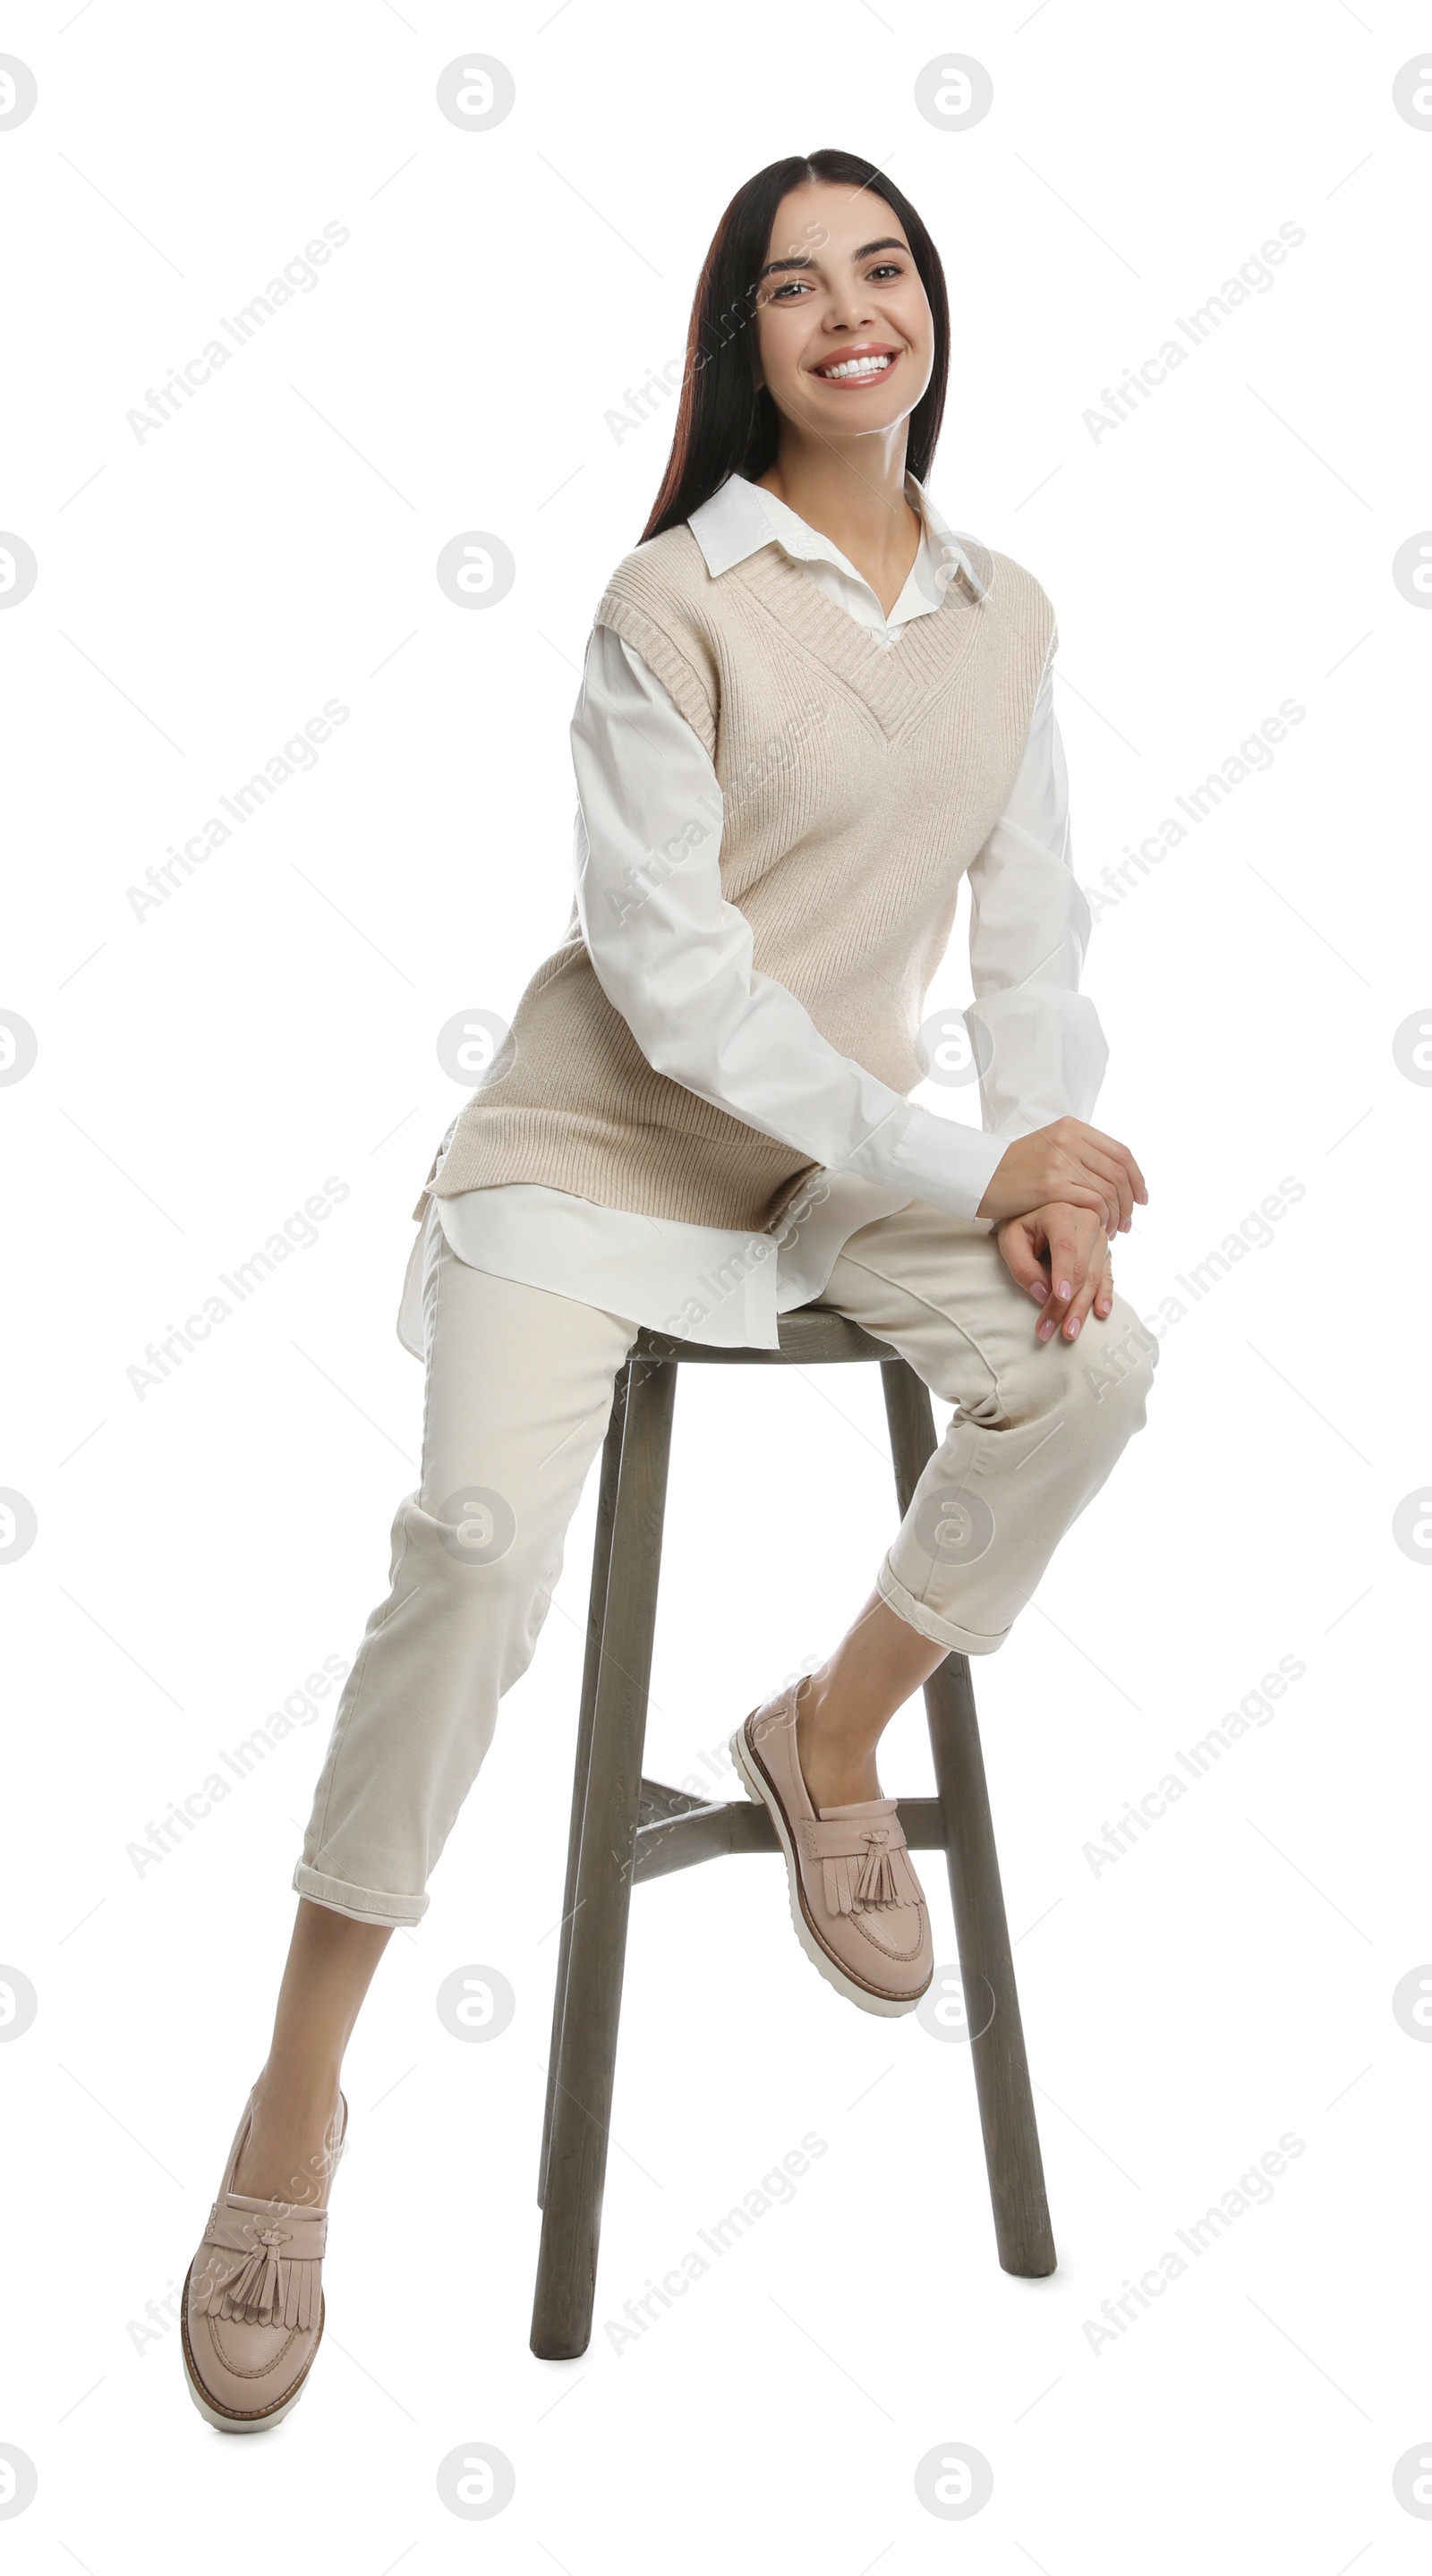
(678, 965)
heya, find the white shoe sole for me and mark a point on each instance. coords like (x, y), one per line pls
(889, 2007)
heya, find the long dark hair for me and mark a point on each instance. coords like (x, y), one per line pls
(725, 423)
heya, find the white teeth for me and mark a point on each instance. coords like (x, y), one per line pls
(857, 367)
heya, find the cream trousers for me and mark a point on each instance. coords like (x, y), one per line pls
(519, 1391)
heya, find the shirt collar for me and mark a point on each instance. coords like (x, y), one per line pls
(741, 517)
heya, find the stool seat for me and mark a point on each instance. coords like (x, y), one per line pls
(624, 1828)
(808, 1334)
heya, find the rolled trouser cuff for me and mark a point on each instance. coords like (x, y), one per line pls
(360, 1904)
(941, 1632)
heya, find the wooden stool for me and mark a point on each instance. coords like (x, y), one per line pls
(625, 1827)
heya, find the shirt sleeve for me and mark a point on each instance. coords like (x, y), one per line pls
(675, 958)
(1036, 1037)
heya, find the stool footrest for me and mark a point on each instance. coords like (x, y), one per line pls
(655, 1801)
(676, 1831)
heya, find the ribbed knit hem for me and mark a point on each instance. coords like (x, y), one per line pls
(360, 1904)
(941, 1632)
(736, 1178)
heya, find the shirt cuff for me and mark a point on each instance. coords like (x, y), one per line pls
(936, 1158)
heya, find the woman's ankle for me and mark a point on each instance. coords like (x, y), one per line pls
(292, 2143)
(837, 1762)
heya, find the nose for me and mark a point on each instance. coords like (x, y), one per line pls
(847, 314)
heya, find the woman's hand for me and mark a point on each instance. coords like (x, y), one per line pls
(1067, 1165)
(1061, 1255)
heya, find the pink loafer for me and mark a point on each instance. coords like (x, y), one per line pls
(858, 1908)
(253, 2311)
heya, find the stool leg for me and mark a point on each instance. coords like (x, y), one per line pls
(586, 2057)
(1011, 2137)
(596, 1615)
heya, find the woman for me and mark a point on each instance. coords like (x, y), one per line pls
(807, 711)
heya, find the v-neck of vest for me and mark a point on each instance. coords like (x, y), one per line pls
(895, 681)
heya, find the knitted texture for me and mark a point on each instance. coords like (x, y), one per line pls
(858, 783)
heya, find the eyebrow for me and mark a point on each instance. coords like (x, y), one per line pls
(891, 242)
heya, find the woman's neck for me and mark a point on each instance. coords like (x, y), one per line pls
(858, 501)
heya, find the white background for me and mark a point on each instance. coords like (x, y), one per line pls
(204, 1069)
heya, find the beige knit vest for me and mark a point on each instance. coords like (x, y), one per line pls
(858, 782)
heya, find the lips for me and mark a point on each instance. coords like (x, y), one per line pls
(867, 363)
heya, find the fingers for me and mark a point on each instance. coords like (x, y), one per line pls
(1079, 1274)
(1078, 1175)
(1121, 1201)
(1082, 1300)
(1104, 1294)
(1069, 1249)
(1080, 1192)
(1125, 1159)
(1103, 1169)
(1022, 1261)
(1104, 1160)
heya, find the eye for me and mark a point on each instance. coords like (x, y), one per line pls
(793, 286)
(887, 269)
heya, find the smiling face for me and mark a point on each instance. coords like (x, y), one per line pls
(844, 332)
